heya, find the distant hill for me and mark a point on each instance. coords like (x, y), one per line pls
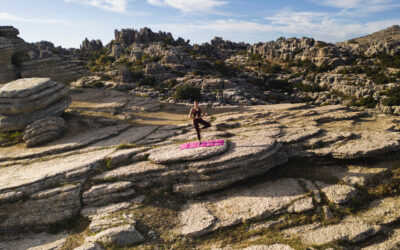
(391, 33)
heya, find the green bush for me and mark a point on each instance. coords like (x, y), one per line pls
(105, 60)
(352, 70)
(172, 83)
(96, 84)
(123, 62)
(257, 82)
(389, 61)
(147, 81)
(377, 75)
(368, 102)
(255, 57)
(283, 85)
(271, 68)
(222, 68)
(187, 92)
(307, 88)
(197, 72)
(307, 64)
(178, 73)
(393, 97)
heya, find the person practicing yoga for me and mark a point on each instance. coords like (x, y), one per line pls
(196, 114)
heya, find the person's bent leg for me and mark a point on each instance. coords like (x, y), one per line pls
(205, 124)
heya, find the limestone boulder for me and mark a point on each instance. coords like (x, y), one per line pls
(44, 130)
(26, 100)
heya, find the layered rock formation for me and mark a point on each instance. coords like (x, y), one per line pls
(43, 130)
(20, 59)
(135, 185)
(30, 99)
(301, 49)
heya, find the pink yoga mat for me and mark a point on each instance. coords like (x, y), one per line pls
(203, 144)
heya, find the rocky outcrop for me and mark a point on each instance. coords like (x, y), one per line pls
(92, 45)
(204, 169)
(20, 59)
(30, 99)
(44, 130)
(220, 48)
(126, 37)
(300, 49)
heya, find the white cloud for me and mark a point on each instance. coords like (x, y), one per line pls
(14, 18)
(187, 6)
(318, 25)
(109, 5)
(359, 6)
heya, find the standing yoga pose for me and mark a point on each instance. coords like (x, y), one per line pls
(196, 114)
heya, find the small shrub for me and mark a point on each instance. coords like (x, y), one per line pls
(105, 77)
(255, 57)
(186, 92)
(283, 85)
(123, 62)
(10, 138)
(393, 97)
(257, 82)
(172, 83)
(368, 102)
(147, 81)
(127, 146)
(178, 73)
(307, 88)
(389, 61)
(271, 68)
(105, 60)
(222, 68)
(197, 72)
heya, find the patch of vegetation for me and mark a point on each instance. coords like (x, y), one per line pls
(96, 84)
(187, 92)
(393, 97)
(378, 76)
(307, 87)
(351, 70)
(178, 73)
(127, 146)
(105, 60)
(10, 138)
(147, 81)
(272, 68)
(224, 69)
(368, 102)
(310, 66)
(78, 227)
(172, 83)
(389, 61)
(255, 57)
(258, 82)
(197, 72)
(282, 85)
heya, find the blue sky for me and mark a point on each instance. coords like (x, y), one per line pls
(68, 22)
